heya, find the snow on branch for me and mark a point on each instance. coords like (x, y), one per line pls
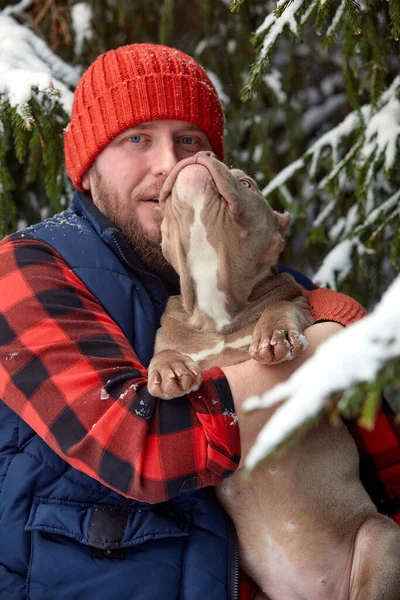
(336, 265)
(81, 16)
(357, 154)
(336, 19)
(354, 355)
(275, 25)
(382, 130)
(382, 133)
(16, 9)
(26, 61)
(284, 176)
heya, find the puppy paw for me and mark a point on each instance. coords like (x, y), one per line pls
(277, 345)
(172, 374)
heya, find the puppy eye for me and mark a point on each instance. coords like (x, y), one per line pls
(245, 182)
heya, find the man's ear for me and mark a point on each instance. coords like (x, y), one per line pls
(86, 180)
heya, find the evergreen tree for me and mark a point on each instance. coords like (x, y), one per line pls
(310, 90)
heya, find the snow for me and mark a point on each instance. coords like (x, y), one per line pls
(380, 140)
(345, 225)
(258, 152)
(218, 86)
(382, 133)
(336, 265)
(354, 355)
(231, 46)
(387, 206)
(26, 61)
(104, 395)
(283, 176)
(318, 115)
(275, 25)
(324, 214)
(17, 8)
(201, 46)
(81, 15)
(336, 19)
(274, 81)
(330, 82)
(308, 12)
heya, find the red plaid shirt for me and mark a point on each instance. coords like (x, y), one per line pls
(67, 369)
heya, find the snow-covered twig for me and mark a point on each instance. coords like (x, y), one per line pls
(382, 133)
(275, 25)
(354, 355)
(26, 61)
(336, 19)
(336, 265)
(81, 17)
(284, 176)
(16, 9)
(386, 207)
(382, 130)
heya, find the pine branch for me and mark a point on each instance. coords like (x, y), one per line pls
(272, 28)
(394, 12)
(355, 16)
(335, 24)
(166, 21)
(235, 5)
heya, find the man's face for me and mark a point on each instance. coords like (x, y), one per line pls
(126, 178)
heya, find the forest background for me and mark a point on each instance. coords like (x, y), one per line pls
(310, 90)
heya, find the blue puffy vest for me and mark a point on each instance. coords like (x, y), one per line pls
(63, 535)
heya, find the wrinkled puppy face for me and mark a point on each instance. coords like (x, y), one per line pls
(214, 215)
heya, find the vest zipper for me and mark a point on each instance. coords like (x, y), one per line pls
(135, 268)
(234, 571)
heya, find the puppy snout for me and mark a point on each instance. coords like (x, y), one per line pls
(206, 153)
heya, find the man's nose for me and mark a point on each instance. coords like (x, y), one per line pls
(165, 160)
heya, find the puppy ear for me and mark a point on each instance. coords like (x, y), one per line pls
(282, 221)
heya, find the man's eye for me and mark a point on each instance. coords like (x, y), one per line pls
(135, 139)
(188, 140)
(245, 182)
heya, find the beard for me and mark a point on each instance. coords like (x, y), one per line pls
(149, 250)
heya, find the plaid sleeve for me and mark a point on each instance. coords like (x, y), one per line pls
(68, 371)
(379, 451)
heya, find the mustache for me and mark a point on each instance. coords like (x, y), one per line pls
(149, 191)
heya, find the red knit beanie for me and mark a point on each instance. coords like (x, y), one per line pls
(135, 84)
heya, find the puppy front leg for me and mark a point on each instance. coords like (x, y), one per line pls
(278, 334)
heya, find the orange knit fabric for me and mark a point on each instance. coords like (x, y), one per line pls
(327, 305)
(135, 84)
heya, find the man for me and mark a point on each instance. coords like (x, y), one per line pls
(106, 492)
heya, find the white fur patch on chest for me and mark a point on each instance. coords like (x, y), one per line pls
(202, 261)
(218, 348)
